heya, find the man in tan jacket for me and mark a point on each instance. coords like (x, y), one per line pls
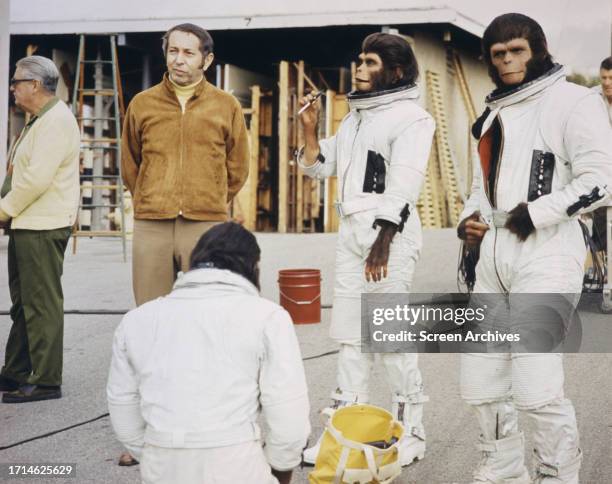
(39, 202)
(184, 157)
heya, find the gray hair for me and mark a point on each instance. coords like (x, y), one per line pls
(42, 69)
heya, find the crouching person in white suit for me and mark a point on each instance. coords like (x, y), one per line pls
(380, 156)
(191, 373)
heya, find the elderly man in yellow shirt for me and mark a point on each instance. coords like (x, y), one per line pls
(39, 203)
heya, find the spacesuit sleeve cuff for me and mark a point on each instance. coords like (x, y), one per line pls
(388, 218)
(394, 210)
(299, 156)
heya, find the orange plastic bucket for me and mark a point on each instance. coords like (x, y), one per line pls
(300, 294)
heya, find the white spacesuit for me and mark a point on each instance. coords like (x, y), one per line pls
(380, 156)
(193, 372)
(546, 143)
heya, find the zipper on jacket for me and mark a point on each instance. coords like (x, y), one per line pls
(181, 153)
(181, 150)
(351, 158)
(493, 201)
(181, 162)
(504, 289)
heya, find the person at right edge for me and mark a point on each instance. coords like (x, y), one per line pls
(605, 92)
(545, 150)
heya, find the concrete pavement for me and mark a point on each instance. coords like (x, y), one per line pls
(96, 278)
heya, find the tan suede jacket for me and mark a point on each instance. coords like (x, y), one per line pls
(190, 164)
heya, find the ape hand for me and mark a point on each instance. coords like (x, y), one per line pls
(471, 230)
(376, 263)
(519, 222)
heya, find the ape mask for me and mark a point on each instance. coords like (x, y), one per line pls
(513, 29)
(386, 62)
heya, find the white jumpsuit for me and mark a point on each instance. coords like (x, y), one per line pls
(555, 154)
(192, 373)
(380, 156)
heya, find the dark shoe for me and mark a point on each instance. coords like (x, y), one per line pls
(32, 393)
(126, 460)
(8, 384)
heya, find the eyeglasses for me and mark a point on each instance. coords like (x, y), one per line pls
(12, 82)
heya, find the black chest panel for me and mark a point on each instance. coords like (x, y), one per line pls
(374, 179)
(541, 175)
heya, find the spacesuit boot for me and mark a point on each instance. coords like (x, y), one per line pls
(409, 411)
(566, 473)
(557, 444)
(501, 444)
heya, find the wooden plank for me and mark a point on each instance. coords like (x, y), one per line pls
(300, 66)
(98, 92)
(468, 102)
(245, 203)
(328, 201)
(283, 145)
(265, 192)
(250, 216)
(299, 201)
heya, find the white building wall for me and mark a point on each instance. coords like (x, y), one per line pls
(431, 55)
(4, 82)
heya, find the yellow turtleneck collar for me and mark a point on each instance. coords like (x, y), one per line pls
(184, 93)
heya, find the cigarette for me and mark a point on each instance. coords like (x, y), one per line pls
(309, 103)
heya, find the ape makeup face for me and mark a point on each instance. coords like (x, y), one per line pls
(369, 72)
(386, 62)
(372, 75)
(511, 60)
(515, 50)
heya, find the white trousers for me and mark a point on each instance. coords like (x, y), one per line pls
(531, 382)
(355, 367)
(499, 384)
(233, 464)
(355, 239)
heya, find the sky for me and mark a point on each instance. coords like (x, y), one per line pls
(578, 31)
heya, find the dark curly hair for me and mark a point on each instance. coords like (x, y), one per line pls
(517, 26)
(394, 51)
(228, 246)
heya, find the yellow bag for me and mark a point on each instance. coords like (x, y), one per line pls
(345, 455)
